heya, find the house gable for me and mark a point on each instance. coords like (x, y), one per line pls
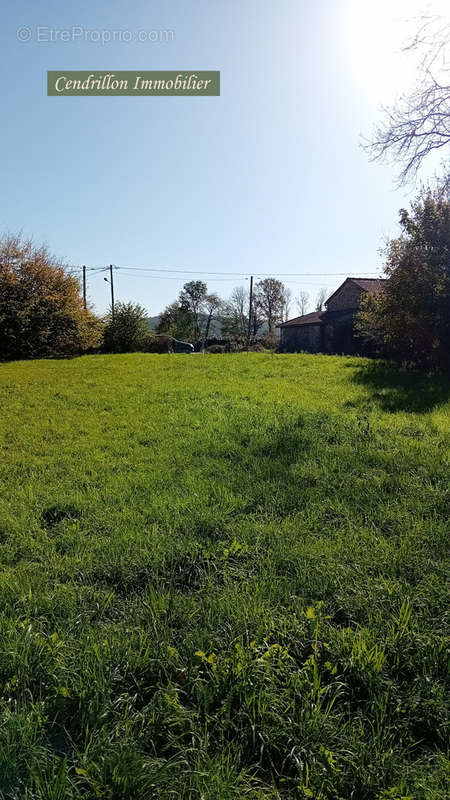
(347, 297)
(330, 330)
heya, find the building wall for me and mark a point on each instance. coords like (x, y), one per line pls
(301, 337)
(348, 297)
(336, 336)
(342, 339)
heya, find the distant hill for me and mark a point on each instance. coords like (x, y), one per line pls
(153, 321)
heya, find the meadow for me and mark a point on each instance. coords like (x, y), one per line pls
(223, 577)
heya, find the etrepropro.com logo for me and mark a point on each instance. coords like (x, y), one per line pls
(45, 34)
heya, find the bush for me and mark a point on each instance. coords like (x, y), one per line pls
(216, 348)
(41, 308)
(257, 347)
(129, 333)
(158, 344)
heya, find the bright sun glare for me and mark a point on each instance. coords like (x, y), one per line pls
(374, 35)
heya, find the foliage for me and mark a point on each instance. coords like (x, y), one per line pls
(176, 320)
(270, 342)
(190, 316)
(223, 578)
(257, 347)
(270, 301)
(41, 309)
(129, 333)
(192, 297)
(231, 325)
(216, 348)
(410, 320)
(159, 343)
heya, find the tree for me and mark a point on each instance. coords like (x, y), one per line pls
(410, 320)
(287, 296)
(129, 333)
(257, 316)
(320, 299)
(192, 297)
(303, 302)
(269, 301)
(239, 302)
(235, 314)
(176, 320)
(41, 308)
(212, 304)
(420, 122)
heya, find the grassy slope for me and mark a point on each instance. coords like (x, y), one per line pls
(222, 576)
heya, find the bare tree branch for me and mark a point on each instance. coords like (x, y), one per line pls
(420, 122)
(303, 302)
(320, 299)
(287, 297)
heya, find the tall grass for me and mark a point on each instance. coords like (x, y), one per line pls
(223, 577)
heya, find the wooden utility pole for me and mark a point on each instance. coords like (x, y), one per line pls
(111, 280)
(250, 311)
(84, 287)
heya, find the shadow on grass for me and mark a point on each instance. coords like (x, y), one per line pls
(396, 388)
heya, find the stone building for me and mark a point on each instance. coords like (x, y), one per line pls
(331, 330)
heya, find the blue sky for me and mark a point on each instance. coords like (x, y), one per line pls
(267, 178)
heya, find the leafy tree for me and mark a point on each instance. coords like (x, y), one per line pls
(41, 308)
(176, 320)
(192, 297)
(270, 301)
(129, 333)
(410, 320)
(257, 316)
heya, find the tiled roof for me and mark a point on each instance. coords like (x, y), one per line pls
(307, 319)
(370, 284)
(366, 284)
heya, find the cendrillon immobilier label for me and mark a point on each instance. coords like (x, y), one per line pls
(152, 83)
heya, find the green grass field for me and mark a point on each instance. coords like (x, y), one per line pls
(223, 577)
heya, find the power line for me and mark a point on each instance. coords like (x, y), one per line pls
(228, 273)
(214, 280)
(171, 277)
(242, 274)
